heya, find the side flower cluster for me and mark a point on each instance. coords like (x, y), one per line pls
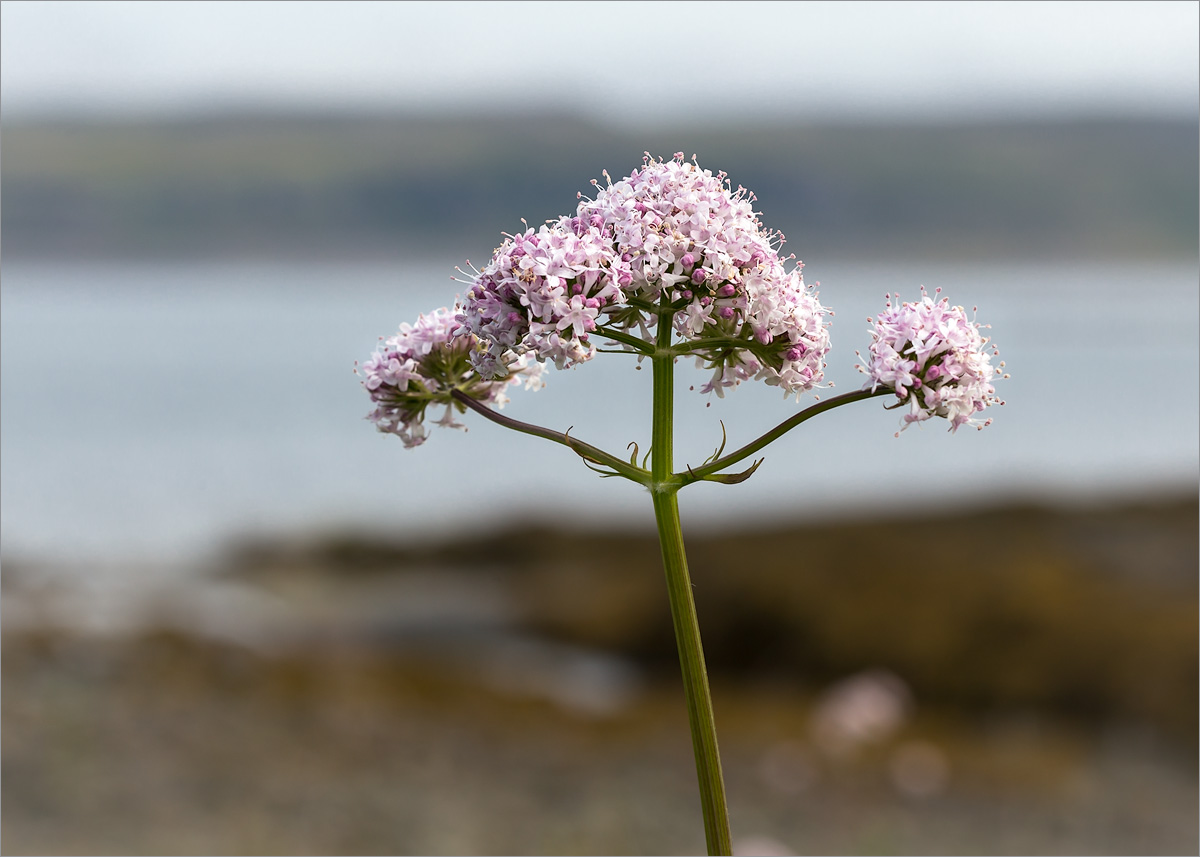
(935, 359)
(670, 236)
(422, 364)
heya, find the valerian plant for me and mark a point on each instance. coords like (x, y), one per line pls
(670, 262)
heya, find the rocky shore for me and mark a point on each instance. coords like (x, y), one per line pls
(1012, 680)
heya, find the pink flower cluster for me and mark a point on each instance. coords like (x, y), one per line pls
(671, 233)
(422, 364)
(935, 359)
(541, 294)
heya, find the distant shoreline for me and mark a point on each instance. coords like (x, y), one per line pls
(320, 545)
(235, 185)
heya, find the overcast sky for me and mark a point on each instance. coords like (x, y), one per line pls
(707, 62)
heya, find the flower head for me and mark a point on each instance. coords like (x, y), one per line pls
(422, 364)
(669, 235)
(935, 359)
(691, 240)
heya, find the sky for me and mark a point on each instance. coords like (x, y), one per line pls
(621, 62)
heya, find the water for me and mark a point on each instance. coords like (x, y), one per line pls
(159, 411)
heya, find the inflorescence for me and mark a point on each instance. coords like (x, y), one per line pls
(421, 365)
(670, 241)
(671, 233)
(935, 359)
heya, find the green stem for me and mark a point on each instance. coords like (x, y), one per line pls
(720, 342)
(584, 450)
(663, 489)
(695, 474)
(664, 485)
(636, 343)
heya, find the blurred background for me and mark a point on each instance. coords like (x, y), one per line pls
(237, 620)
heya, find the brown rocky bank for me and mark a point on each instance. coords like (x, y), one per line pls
(1091, 613)
(518, 693)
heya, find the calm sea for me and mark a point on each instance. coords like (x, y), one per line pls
(159, 411)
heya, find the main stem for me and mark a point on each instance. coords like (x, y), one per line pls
(663, 489)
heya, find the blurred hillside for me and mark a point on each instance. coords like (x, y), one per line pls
(378, 186)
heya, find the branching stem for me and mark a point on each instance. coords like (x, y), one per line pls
(580, 448)
(664, 487)
(695, 474)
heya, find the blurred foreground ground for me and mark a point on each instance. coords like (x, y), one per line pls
(1018, 680)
